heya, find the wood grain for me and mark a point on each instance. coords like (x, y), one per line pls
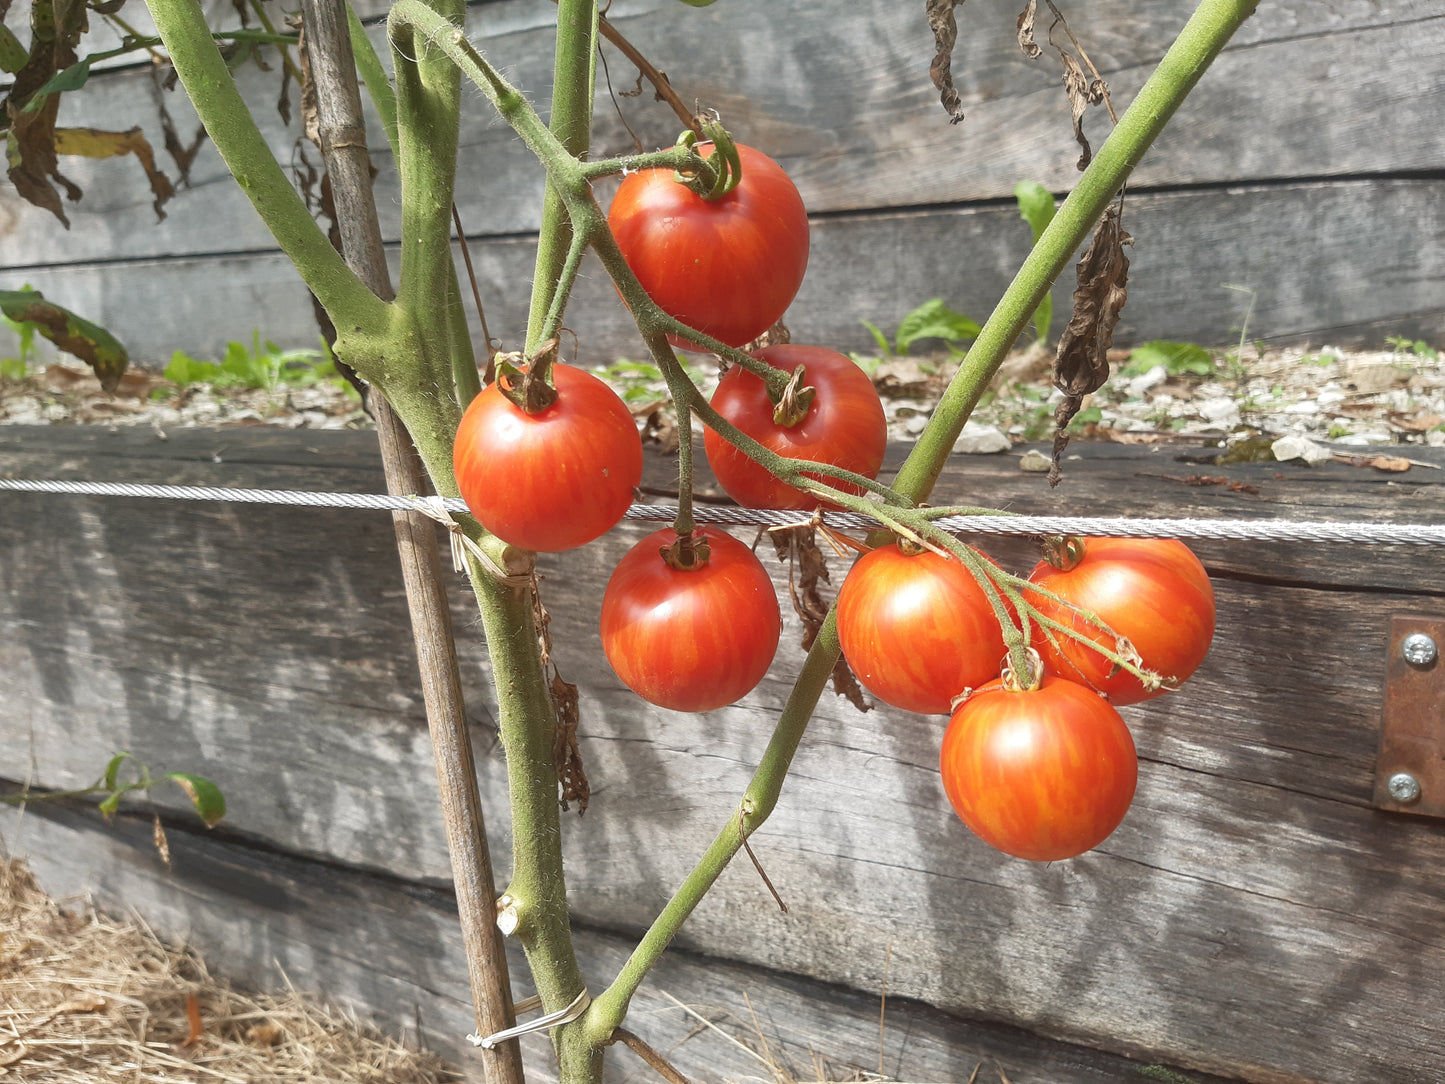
(256, 915)
(1354, 283)
(1253, 917)
(1342, 93)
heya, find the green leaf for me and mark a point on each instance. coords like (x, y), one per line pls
(1177, 358)
(935, 320)
(1086, 417)
(89, 342)
(1036, 207)
(881, 339)
(204, 795)
(112, 770)
(71, 78)
(12, 54)
(110, 804)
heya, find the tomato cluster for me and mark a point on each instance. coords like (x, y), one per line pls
(1042, 770)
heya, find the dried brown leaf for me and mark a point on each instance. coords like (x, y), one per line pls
(945, 36)
(807, 569)
(1391, 463)
(1082, 363)
(1083, 92)
(30, 139)
(566, 756)
(182, 154)
(158, 837)
(91, 143)
(1026, 31)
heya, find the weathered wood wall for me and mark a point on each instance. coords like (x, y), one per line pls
(1306, 166)
(1252, 918)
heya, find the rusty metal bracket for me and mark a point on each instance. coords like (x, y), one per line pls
(1410, 771)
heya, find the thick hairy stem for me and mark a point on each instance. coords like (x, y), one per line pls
(208, 82)
(573, 79)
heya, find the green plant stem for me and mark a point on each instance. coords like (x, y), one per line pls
(134, 43)
(1203, 36)
(573, 82)
(758, 802)
(202, 70)
(1201, 40)
(428, 100)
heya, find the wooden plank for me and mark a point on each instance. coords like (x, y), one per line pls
(1378, 270)
(857, 123)
(256, 915)
(1247, 919)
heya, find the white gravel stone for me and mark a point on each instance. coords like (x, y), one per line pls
(981, 440)
(1287, 448)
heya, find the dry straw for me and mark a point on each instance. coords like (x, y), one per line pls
(88, 1000)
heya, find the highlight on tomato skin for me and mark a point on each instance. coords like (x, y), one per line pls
(1152, 591)
(845, 426)
(917, 629)
(690, 640)
(553, 480)
(1043, 775)
(729, 267)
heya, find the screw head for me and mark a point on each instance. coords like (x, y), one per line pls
(1419, 649)
(1404, 787)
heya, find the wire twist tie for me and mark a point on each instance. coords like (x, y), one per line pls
(436, 508)
(542, 1023)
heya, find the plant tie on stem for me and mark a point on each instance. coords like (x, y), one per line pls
(435, 508)
(553, 1019)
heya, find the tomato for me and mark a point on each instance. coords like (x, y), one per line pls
(1041, 775)
(845, 426)
(690, 640)
(917, 629)
(552, 480)
(729, 267)
(1151, 591)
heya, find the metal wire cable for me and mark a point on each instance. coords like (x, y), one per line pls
(1245, 530)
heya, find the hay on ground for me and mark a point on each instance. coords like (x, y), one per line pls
(85, 999)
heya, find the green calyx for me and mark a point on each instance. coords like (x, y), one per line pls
(797, 399)
(715, 176)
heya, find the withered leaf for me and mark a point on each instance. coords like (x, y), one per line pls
(91, 343)
(90, 143)
(181, 154)
(1026, 31)
(566, 756)
(1082, 363)
(945, 36)
(807, 568)
(1083, 92)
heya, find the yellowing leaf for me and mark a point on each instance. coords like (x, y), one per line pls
(92, 143)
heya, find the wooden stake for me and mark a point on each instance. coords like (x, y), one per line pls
(343, 143)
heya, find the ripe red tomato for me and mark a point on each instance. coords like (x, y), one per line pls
(845, 426)
(1153, 592)
(553, 480)
(917, 629)
(729, 267)
(690, 640)
(1041, 775)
